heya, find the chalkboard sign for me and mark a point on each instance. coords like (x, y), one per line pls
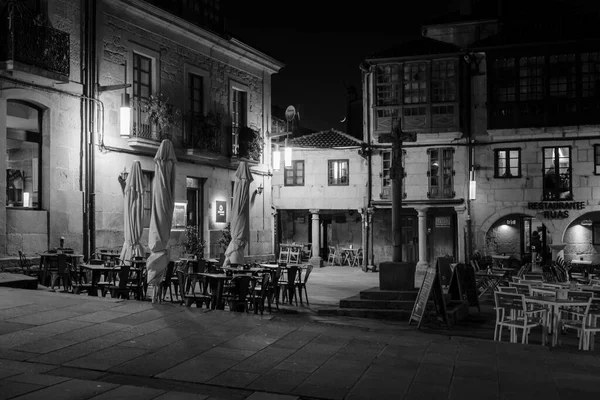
(456, 283)
(470, 286)
(431, 283)
(423, 296)
(445, 270)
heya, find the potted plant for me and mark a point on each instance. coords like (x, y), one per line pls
(251, 143)
(193, 245)
(160, 113)
(225, 238)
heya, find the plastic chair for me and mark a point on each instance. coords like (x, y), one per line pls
(512, 313)
(587, 326)
(333, 257)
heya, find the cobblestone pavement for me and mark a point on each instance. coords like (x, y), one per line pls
(64, 346)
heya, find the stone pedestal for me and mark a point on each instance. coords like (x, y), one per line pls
(420, 272)
(316, 262)
(557, 249)
(396, 275)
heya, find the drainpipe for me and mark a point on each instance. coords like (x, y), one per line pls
(365, 67)
(467, 117)
(88, 26)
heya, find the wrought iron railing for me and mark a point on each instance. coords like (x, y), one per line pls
(28, 42)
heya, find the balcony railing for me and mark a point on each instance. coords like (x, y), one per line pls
(203, 132)
(25, 43)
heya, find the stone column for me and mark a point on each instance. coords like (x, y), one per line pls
(316, 259)
(423, 263)
(371, 247)
(364, 235)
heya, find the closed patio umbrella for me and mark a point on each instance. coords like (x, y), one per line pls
(240, 220)
(133, 213)
(163, 202)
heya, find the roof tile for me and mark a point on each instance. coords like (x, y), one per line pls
(326, 139)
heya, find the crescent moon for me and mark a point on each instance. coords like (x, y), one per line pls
(343, 120)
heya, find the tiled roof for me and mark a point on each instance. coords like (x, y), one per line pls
(326, 139)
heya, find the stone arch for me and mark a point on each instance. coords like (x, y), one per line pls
(490, 220)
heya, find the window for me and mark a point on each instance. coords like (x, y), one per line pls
(531, 78)
(386, 176)
(441, 173)
(415, 83)
(557, 173)
(23, 155)
(195, 107)
(597, 159)
(544, 90)
(147, 177)
(590, 75)
(338, 173)
(508, 163)
(426, 98)
(238, 117)
(388, 85)
(294, 176)
(443, 87)
(142, 89)
(195, 203)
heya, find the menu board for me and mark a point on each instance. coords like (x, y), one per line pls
(431, 284)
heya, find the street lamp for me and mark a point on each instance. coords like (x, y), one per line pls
(125, 109)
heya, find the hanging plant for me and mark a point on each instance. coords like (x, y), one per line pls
(251, 143)
(209, 133)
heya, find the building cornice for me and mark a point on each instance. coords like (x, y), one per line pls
(231, 48)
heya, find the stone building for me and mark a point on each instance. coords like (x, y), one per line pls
(320, 198)
(504, 105)
(187, 81)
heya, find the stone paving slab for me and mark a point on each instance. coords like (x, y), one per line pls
(59, 346)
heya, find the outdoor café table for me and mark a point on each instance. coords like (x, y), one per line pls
(46, 259)
(218, 281)
(491, 280)
(554, 305)
(350, 255)
(97, 270)
(250, 270)
(499, 260)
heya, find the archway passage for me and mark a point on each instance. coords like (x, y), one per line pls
(519, 236)
(582, 239)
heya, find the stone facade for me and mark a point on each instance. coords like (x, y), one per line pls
(176, 48)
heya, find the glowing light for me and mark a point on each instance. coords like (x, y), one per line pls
(125, 115)
(472, 190)
(26, 199)
(287, 156)
(276, 159)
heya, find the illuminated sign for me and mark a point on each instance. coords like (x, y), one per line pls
(511, 222)
(556, 209)
(221, 211)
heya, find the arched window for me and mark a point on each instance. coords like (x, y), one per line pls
(23, 155)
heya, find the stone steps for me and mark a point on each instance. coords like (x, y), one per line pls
(389, 314)
(361, 303)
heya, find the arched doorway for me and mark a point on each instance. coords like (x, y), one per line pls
(582, 238)
(512, 235)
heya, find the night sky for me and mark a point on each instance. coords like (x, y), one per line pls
(322, 44)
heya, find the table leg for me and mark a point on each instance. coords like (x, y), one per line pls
(219, 295)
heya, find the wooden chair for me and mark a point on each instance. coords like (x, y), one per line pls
(294, 255)
(240, 293)
(260, 294)
(284, 254)
(187, 291)
(120, 288)
(301, 284)
(26, 267)
(512, 313)
(333, 256)
(507, 289)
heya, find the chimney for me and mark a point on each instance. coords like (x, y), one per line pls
(466, 7)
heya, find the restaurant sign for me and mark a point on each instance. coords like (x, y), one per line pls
(556, 209)
(221, 211)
